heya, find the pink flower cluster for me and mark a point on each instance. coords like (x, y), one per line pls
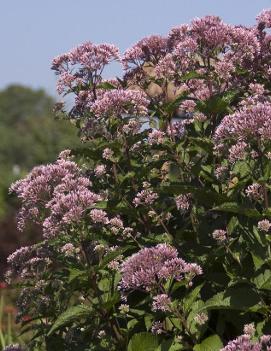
(250, 123)
(264, 225)
(227, 47)
(29, 261)
(132, 127)
(120, 102)
(55, 195)
(148, 267)
(245, 343)
(149, 49)
(183, 202)
(264, 18)
(83, 65)
(237, 152)
(99, 216)
(255, 192)
(161, 302)
(156, 137)
(219, 235)
(145, 197)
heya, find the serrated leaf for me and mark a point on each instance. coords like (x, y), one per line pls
(236, 298)
(143, 342)
(69, 316)
(190, 298)
(263, 280)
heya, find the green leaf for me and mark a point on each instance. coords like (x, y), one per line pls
(143, 342)
(191, 75)
(257, 260)
(204, 195)
(112, 255)
(234, 207)
(167, 345)
(217, 104)
(106, 86)
(76, 273)
(204, 143)
(234, 298)
(189, 300)
(71, 315)
(263, 280)
(212, 343)
(101, 204)
(233, 223)
(174, 172)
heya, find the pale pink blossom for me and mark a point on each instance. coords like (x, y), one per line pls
(98, 216)
(142, 269)
(264, 225)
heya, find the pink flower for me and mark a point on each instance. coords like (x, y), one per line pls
(237, 152)
(148, 49)
(77, 66)
(145, 197)
(99, 216)
(108, 154)
(100, 170)
(256, 89)
(166, 67)
(219, 235)
(132, 127)
(264, 18)
(245, 343)
(255, 192)
(145, 268)
(224, 69)
(116, 222)
(221, 172)
(69, 249)
(120, 102)
(188, 106)
(264, 225)
(156, 137)
(157, 328)
(247, 124)
(161, 303)
(249, 329)
(55, 195)
(183, 202)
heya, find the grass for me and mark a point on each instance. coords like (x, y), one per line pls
(9, 331)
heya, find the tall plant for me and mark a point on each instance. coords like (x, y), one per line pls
(157, 231)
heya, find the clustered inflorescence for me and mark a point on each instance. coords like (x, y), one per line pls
(175, 159)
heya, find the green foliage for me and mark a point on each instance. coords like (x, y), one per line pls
(212, 343)
(143, 342)
(183, 189)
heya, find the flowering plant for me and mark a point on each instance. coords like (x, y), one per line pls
(157, 230)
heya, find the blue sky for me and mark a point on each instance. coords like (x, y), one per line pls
(34, 31)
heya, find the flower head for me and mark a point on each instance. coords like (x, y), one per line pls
(161, 303)
(120, 102)
(264, 225)
(146, 267)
